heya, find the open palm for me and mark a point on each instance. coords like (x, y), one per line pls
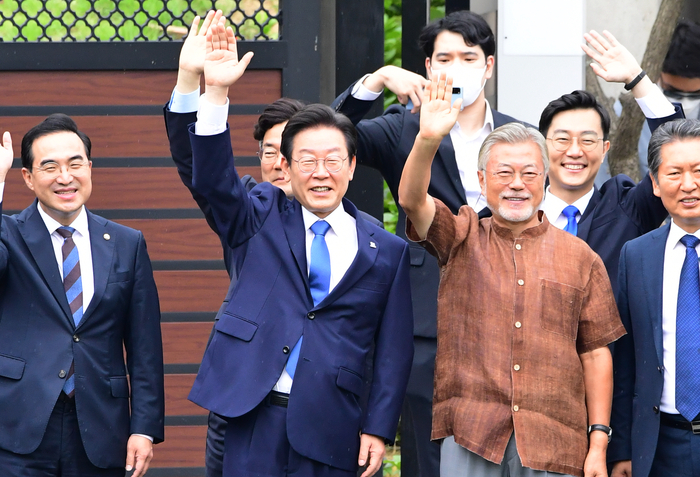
(221, 65)
(437, 115)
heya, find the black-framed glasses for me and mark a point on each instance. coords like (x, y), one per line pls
(308, 164)
(268, 155)
(505, 176)
(562, 142)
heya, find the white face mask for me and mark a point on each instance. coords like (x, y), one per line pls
(690, 103)
(470, 80)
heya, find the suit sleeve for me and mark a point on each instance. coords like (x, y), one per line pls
(355, 109)
(620, 447)
(144, 350)
(393, 357)
(656, 122)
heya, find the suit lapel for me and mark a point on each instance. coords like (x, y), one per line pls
(446, 155)
(584, 225)
(102, 257)
(653, 270)
(293, 224)
(38, 240)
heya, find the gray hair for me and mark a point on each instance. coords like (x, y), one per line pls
(512, 133)
(667, 133)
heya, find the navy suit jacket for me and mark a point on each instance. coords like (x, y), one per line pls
(38, 340)
(638, 358)
(271, 308)
(384, 144)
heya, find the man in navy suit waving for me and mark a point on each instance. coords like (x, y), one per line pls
(77, 297)
(287, 371)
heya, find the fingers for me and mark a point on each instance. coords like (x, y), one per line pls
(7, 141)
(139, 454)
(193, 27)
(208, 21)
(376, 456)
(231, 41)
(245, 61)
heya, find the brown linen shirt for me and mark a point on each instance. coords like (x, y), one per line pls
(513, 316)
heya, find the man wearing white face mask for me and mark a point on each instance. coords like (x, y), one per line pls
(461, 44)
(680, 80)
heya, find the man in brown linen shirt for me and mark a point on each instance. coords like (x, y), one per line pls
(525, 312)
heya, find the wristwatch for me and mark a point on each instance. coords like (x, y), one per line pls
(601, 428)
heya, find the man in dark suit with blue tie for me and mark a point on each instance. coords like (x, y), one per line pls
(287, 369)
(656, 399)
(77, 297)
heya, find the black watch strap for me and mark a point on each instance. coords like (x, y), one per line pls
(634, 82)
(602, 428)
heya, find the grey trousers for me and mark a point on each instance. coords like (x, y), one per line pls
(456, 461)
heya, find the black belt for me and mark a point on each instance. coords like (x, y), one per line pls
(679, 422)
(278, 399)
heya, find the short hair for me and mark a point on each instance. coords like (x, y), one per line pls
(669, 132)
(276, 113)
(683, 56)
(512, 133)
(55, 123)
(316, 116)
(472, 27)
(573, 101)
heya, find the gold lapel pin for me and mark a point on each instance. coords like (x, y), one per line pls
(106, 236)
(372, 245)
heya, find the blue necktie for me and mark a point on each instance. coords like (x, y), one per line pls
(319, 279)
(73, 286)
(688, 333)
(570, 213)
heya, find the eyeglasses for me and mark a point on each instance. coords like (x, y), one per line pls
(505, 177)
(268, 155)
(308, 164)
(562, 143)
(52, 170)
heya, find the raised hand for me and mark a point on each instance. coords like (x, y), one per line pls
(614, 62)
(6, 155)
(222, 67)
(437, 115)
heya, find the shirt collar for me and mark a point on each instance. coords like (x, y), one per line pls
(338, 219)
(80, 224)
(488, 121)
(534, 231)
(554, 206)
(675, 234)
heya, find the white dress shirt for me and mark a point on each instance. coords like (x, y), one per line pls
(674, 256)
(341, 240)
(466, 149)
(553, 207)
(184, 102)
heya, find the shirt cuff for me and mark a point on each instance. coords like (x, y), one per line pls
(211, 118)
(184, 103)
(655, 105)
(2, 190)
(144, 435)
(359, 91)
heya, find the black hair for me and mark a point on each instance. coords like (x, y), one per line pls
(576, 100)
(276, 113)
(55, 123)
(472, 27)
(314, 116)
(683, 56)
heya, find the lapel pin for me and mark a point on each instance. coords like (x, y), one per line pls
(372, 245)
(106, 236)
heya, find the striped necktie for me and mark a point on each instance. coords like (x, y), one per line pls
(73, 286)
(571, 225)
(688, 333)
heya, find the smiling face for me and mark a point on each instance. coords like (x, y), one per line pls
(273, 172)
(514, 205)
(60, 176)
(320, 192)
(572, 172)
(678, 183)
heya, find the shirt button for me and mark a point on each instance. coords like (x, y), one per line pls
(516, 367)
(518, 246)
(656, 409)
(516, 408)
(285, 350)
(518, 324)
(76, 338)
(62, 374)
(521, 282)
(311, 316)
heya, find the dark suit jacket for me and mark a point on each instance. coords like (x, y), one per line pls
(638, 359)
(384, 144)
(272, 307)
(38, 339)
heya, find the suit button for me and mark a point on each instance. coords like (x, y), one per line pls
(285, 350)
(311, 316)
(62, 374)
(656, 409)
(76, 338)
(661, 369)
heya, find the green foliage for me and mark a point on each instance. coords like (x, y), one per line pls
(392, 463)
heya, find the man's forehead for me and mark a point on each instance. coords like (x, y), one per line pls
(577, 121)
(681, 153)
(448, 42)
